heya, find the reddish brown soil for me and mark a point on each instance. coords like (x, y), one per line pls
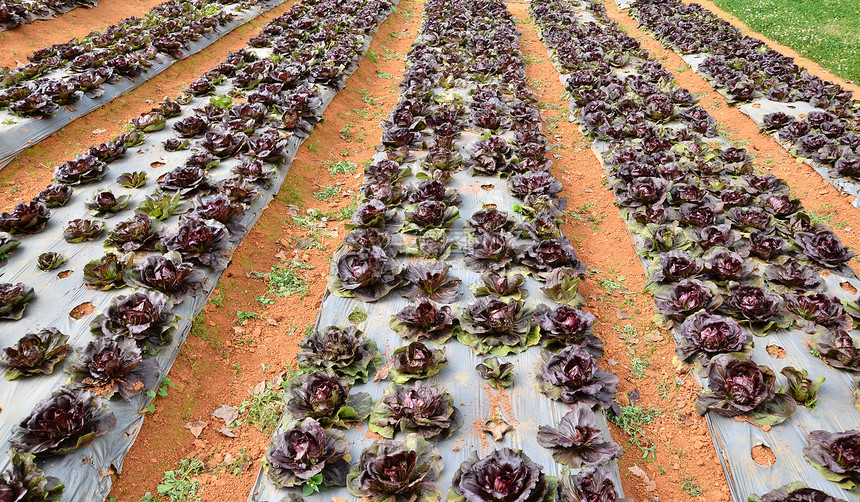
(763, 455)
(22, 41)
(603, 243)
(27, 175)
(220, 366)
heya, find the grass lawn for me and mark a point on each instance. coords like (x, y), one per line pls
(825, 31)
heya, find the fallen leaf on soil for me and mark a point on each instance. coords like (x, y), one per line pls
(271, 322)
(621, 314)
(260, 387)
(637, 471)
(497, 427)
(227, 432)
(382, 373)
(292, 210)
(304, 244)
(96, 132)
(226, 413)
(277, 381)
(282, 255)
(633, 395)
(229, 459)
(196, 428)
(653, 337)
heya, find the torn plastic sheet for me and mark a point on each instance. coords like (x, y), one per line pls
(757, 108)
(735, 439)
(53, 10)
(19, 133)
(86, 472)
(521, 405)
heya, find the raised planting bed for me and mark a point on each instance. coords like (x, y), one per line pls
(14, 13)
(66, 81)
(471, 320)
(816, 120)
(194, 193)
(748, 283)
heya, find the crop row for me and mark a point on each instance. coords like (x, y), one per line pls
(461, 185)
(65, 81)
(148, 275)
(730, 254)
(825, 131)
(14, 13)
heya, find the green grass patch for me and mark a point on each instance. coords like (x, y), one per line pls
(326, 192)
(825, 31)
(286, 281)
(342, 167)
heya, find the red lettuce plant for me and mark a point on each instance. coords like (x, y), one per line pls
(341, 350)
(367, 274)
(503, 475)
(108, 366)
(397, 472)
(14, 298)
(424, 321)
(578, 441)
(423, 409)
(416, 361)
(836, 456)
(491, 325)
(69, 419)
(741, 387)
(796, 491)
(23, 481)
(572, 376)
(431, 282)
(325, 397)
(35, 354)
(498, 373)
(306, 450)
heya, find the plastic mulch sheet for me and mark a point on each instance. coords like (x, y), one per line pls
(522, 405)
(52, 11)
(19, 133)
(757, 108)
(86, 472)
(733, 439)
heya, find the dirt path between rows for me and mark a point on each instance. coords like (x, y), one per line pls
(28, 174)
(223, 360)
(636, 350)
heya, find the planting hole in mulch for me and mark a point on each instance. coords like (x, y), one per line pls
(763, 455)
(64, 274)
(847, 286)
(82, 310)
(776, 351)
(488, 187)
(156, 164)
